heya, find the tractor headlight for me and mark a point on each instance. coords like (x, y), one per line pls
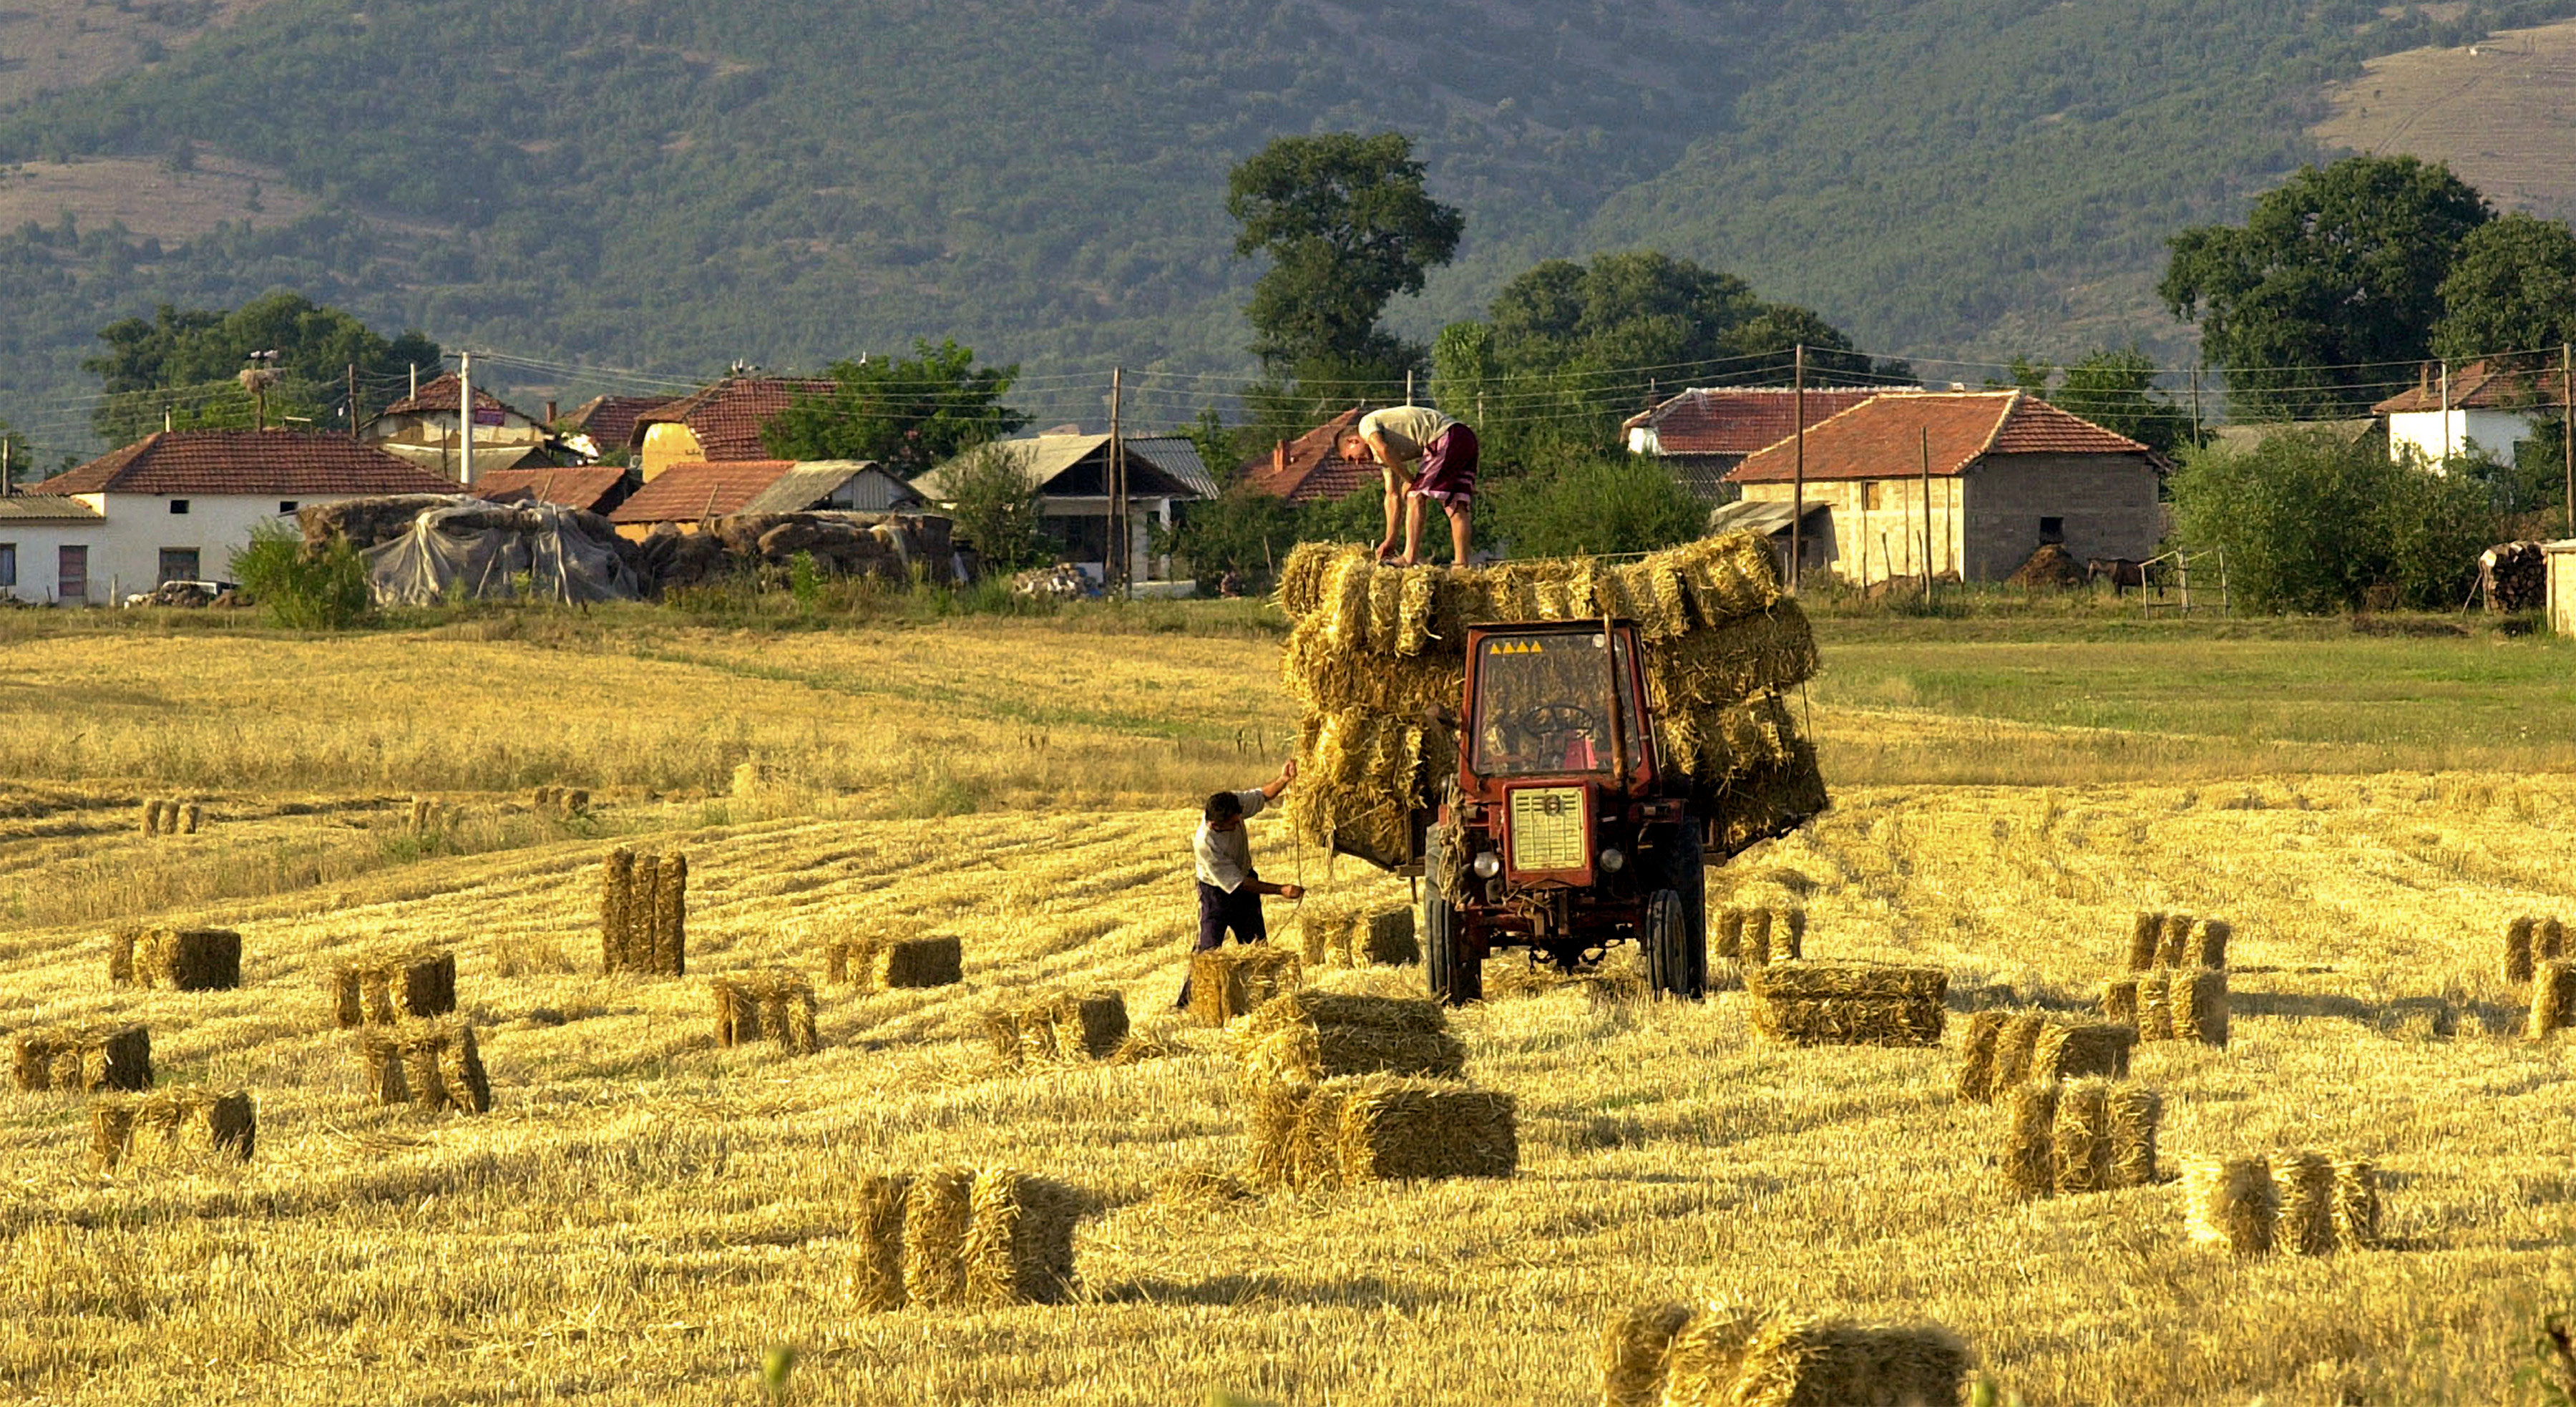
(1487, 865)
(1611, 860)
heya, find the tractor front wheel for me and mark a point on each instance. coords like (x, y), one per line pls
(1457, 975)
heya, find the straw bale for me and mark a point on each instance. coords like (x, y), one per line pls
(1303, 575)
(120, 956)
(1766, 803)
(1228, 982)
(1730, 935)
(432, 1064)
(152, 817)
(2307, 1188)
(1633, 1347)
(2030, 1159)
(1706, 1356)
(1785, 978)
(1719, 666)
(1394, 1129)
(2155, 1006)
(1314, 1007)
(2199, 1000)
(884, 964)
(1345, 603)
(671, 916)
(2067, 1052)
(2085, 1153)
(1417, 602)
(83, 1059)
(2231, 1202)
(2120, 1001)
(2175, 950)
(2356, 1204)
(1324, 932)
(2517, 950)
(2014, 1045)
(382, 987)
(1977, 1056)
(2135, 1113)
(2209, 944)
(190, 816)
(1059, 1026)
(1389, 941)
(1274, 1120)
(179, 1126)
(1018, 1247)
(881, 1204)
(2146, 941)
(938, 1208)
(182, 959)
(1755, 948)
(1801, 1362)
(616, 890)
(1306, 1054)
(2553, 997)
(776, 1006)
(1850, 1020)
(2549, 939)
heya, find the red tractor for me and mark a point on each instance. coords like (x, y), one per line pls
(1563, 833)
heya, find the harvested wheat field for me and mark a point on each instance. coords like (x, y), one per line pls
(642, 1213)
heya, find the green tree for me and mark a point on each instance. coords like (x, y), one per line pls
(183, 363)
(2334, 279)
(2115, 390)
(22, 455)
(1240, 530)
(1600, 504)
(1348, 225)
(995, 506)
(2511, 290)
(2312, 522)
(908, 413)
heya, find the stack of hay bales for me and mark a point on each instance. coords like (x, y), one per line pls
(1058, 1027)
(883, 964)
(384, 987)
(562, 803)
(428, 817)
(1345, 937)
(1668, 1355)
(956, 1237)
(1374, 652)
(172, 817)
(1754, 936)
(2176, 989)
(2303, 1203)
(2081, 1136)
(643, 914)
(2553, 998)
(83, 1059)
(433, 1065)
(1227, 982)
(2161, 940)
(2533, 939)
(1344, 1088)
(2003, 1049)
(775, 1006)
(178, 1126)
(179, 959)
(1842, 1003)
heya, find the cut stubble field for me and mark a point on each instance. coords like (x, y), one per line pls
(645, 1213)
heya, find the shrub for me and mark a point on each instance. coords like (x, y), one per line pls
(1601, 505)
(323, 590)
(996, 507)
(2312, 523)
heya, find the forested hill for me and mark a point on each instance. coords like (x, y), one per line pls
(673, 184)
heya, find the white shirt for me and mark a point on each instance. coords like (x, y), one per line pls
(1225, 857)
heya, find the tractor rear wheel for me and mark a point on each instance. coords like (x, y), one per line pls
(1457, 976)
(1667, 945)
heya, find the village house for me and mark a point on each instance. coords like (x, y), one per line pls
(2007, 473)
(423, 429)
(2478, 408)
(592, 488)
(47, 542)
(1071, 474)
(176, 506)
(1700, 435)
(1310, 468)
(720, 423)
(685, 495)
(604, 426)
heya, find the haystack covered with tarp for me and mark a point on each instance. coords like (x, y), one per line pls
(1376, 658)
(472, 549)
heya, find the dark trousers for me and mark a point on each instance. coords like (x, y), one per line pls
(1219, 911)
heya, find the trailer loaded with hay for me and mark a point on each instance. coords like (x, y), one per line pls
(1557, 747)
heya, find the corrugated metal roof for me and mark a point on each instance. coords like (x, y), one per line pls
(46, 508)
(1047, 458)
(815, 480)
(1178, 456)
(1758, 515)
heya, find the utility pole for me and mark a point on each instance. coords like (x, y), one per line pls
(465, 417)
(353, 400)
(415, 378)
(1117, 574)
(2567, 426)
(1408, 385)
(1798, 472)
(1927, 516)
(2446, 415)
(2196, 441)
(7, 483)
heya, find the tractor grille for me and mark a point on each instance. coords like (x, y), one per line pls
(1548, 832)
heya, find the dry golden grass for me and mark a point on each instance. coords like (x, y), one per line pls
(642, 1214)
(2500, 112)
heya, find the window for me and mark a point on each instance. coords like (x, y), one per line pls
(285, 506)
(178, 505)
(2052, 529)
(8, 564)
(71, 574)
(178, 564)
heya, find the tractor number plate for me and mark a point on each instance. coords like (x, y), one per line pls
(1548, 831)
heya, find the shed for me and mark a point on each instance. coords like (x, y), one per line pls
(1703, 433)
(1071, 475)
(47, 545)
(2562, 585)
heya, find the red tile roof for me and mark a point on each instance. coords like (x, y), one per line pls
(684, 493)
(610, 420)
(1733, 420)
(727, 416)
(2477, 386)
(1310, 467)
(297, 463)
(438, 397)
(1883, 438)
(587, 487)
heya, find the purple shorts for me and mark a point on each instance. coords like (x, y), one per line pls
(1448, 473)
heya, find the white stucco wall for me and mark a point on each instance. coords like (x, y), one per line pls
(2419, 434)
(39, 556)
(140, 525)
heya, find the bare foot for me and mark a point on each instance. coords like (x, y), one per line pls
(1404, 562)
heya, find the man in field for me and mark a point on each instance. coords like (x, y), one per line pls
(1229, 892)
(1424, 455)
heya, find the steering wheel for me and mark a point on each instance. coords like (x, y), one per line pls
(1556, 720)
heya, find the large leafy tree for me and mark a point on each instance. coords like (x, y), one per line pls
(2512, 290)
(2113, 389)
(908, 413)
(183, 363)
(2331, 283)
(1347, 225)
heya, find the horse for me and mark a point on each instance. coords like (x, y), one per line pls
(2121, 572)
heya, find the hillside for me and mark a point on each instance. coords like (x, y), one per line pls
(670, 185)
(2502, 112)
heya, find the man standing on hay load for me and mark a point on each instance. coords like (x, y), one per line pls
(1229, 892)
(1430, 456)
